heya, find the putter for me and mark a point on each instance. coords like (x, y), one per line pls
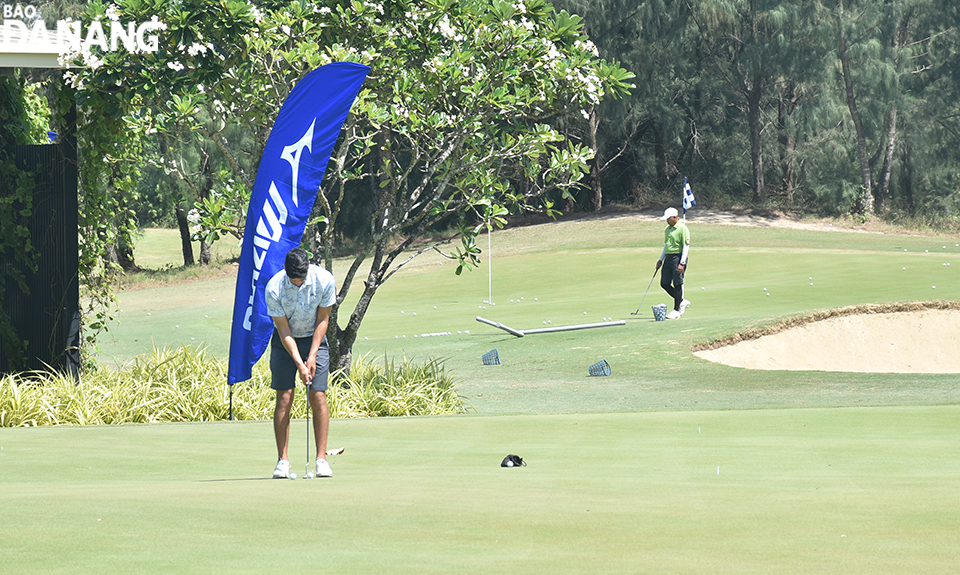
(306, 471)
(655, 272)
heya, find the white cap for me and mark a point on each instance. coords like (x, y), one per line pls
(669, 213)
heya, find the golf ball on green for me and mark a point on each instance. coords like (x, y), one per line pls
(293, 476)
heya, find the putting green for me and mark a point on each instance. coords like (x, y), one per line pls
(798, 491)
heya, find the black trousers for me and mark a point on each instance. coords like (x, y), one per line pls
(671, 280)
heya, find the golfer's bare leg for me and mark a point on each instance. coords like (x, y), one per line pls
(281, 421)
(321, 421)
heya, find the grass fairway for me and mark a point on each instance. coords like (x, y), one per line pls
(581, 271)
(798, 491)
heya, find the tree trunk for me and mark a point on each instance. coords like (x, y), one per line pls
(596, 181)
(205, 253)
(185, 245)
(883, 184)
(754, 94)
(787, 139)
(660, 156)
(864, 204)
(907, 179)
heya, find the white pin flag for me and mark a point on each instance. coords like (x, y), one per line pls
(688, 201)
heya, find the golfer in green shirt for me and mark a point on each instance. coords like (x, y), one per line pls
(673, 261)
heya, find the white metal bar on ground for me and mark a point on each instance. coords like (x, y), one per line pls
(521, 333)
(505, 328)
(573, 327)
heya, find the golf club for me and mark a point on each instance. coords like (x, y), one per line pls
(645, 293)
(308, 474)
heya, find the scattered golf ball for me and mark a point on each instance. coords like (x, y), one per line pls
(414, 313)
(904, 269)
(811, 283)
(309, 475)
(293, 476)
(934, 287)
(768, 294)
(926, 251)
(544, 323)
(703, 288)
(536, 299)
(904, 249)
(811, 279)
(764, 289)
(434, 307)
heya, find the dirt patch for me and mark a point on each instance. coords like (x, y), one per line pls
(889, 338)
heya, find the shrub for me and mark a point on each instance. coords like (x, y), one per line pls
(176, 385)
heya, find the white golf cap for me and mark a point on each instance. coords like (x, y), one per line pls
(669, 213)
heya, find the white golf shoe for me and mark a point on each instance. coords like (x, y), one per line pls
(674, 314)
(283, 470)
(684, 305)
(323, 468)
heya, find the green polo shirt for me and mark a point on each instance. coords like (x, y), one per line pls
(675, 237)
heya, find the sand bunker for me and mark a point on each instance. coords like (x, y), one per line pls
(921, 341)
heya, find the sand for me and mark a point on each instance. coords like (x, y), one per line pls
(926, 341)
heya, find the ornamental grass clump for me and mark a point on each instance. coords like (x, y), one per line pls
(178, 385)
(394, 390)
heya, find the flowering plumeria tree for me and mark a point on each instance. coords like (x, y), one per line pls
(454, 121)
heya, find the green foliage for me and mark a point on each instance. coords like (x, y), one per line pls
(176, 385)
(17, 254)
(391, 390)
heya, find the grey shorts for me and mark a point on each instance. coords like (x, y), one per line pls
(284, 369)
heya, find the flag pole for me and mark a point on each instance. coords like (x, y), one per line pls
(683, 199)
(489, 266)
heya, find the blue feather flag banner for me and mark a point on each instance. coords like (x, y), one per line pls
(688, 201)
(288, 180)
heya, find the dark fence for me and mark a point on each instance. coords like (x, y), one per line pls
(48, 318)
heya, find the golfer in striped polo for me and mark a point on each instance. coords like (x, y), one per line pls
(299, 299)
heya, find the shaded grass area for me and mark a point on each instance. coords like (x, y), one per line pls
(798, 491)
